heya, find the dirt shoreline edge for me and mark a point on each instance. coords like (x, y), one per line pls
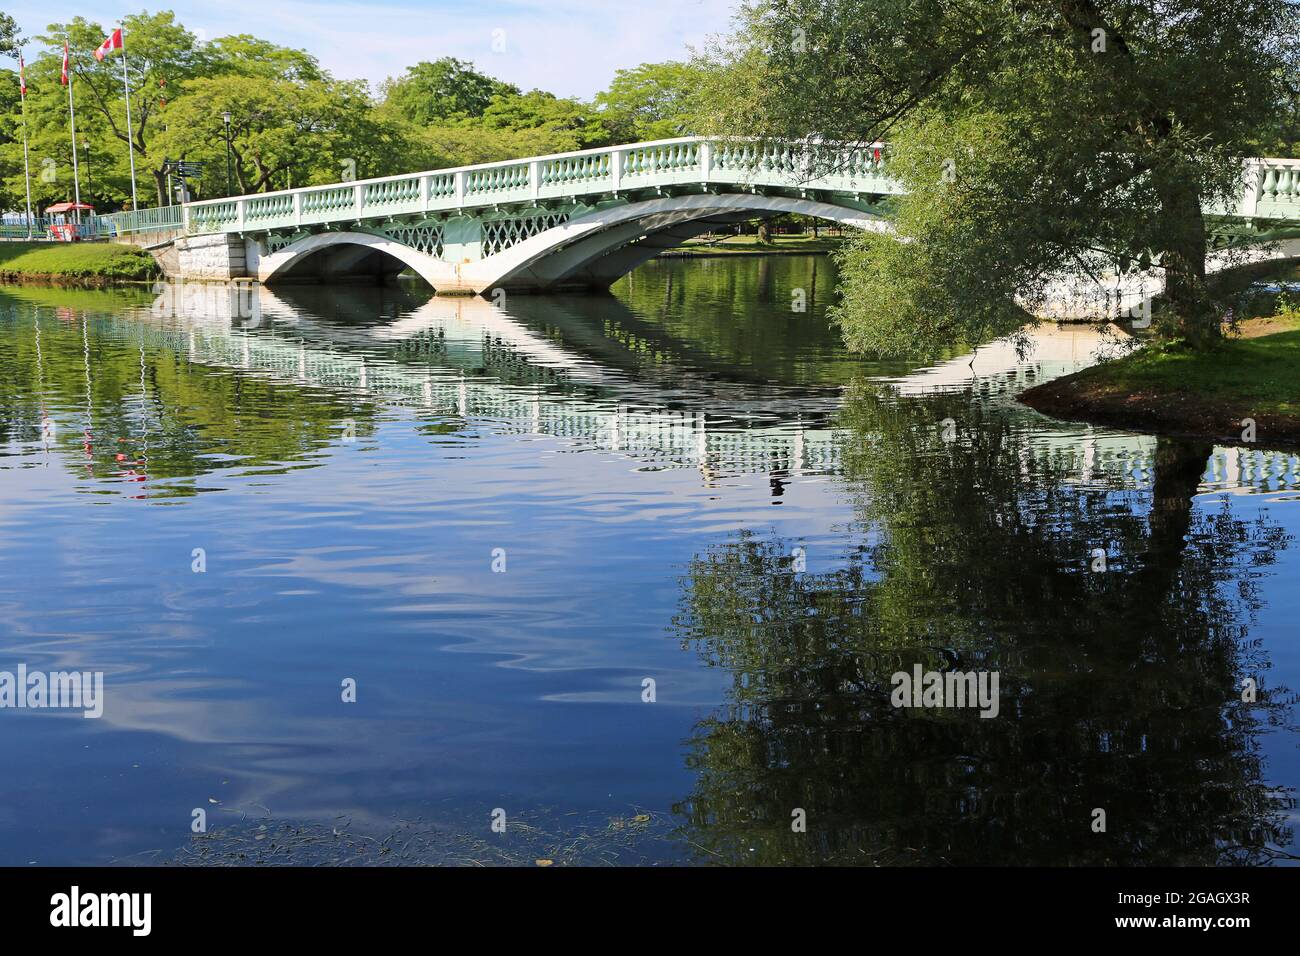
(1077, 398)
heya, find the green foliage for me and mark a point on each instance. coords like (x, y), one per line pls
(247, 55)
(8, 35)
(282, 132)
(430, 93)
(12, 193)
(466, 143)
(574, 123)
(651, 101)
(77, 260)
(1035, 139)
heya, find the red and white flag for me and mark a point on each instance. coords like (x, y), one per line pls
(63, 79)
(22, 76)
(114, 42)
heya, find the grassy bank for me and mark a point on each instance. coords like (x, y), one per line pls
(749, 245)
(82, 262)
(1253, 375)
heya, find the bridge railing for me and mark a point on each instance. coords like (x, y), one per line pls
(23, 228)
(637, 166)
(158, 219)
(1271, 187)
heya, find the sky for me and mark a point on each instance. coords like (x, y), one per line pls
(568, 47)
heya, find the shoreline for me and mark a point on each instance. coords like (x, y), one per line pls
(1168, 416)
(72, 282)
(1245, 392)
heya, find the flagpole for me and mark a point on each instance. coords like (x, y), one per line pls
(27, 170)
(130, 146)
(72, 118)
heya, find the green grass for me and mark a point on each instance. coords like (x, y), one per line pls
(1258, 374)
(75, 260)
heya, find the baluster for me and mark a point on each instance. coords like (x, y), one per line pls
(1270, 182)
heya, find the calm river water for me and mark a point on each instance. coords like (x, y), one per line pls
(631, 574)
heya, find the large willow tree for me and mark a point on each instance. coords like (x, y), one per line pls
(1036, 137)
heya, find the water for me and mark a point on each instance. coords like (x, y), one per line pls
(687, 483)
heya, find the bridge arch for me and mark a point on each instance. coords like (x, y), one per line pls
(589, 250)
(597, 248)
(332, 254)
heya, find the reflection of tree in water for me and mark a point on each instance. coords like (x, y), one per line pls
(152, 404)
(1120, 690)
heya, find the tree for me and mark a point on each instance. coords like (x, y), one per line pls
(9, 41)
(161, 55)
(247, 55)
(1035, 139)
(574, 124)
(51, 145)
(282, 132)
(651, 101)
(447, 88)
(12, 193)
(469, 142)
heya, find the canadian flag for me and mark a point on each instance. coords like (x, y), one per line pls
(63, 78)
(22, 76)
(114, 42)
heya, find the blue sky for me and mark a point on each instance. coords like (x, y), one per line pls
(570, 47)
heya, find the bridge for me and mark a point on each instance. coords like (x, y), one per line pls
(579, 219)
(569, 220)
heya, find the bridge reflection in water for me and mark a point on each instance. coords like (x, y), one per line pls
(417, 351)
(426, 358)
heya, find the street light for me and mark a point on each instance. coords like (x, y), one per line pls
(225, 118)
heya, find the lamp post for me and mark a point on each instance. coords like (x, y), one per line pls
(85, 145)
(225, 118)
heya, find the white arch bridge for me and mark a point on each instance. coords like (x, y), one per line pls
(570, 220)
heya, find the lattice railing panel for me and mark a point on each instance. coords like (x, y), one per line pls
(424, 237)
(499, 234)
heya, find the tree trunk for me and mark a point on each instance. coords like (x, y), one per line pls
(1179, 466)
(1183, 225)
